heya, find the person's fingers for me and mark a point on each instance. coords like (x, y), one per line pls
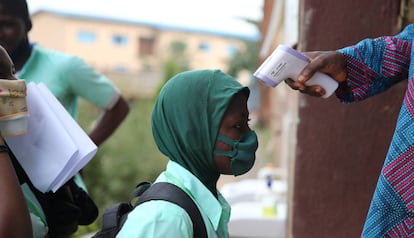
(312, 54)
(306, 74)
(295, 85)
(331, 63)
(313, 90)
(315, 64)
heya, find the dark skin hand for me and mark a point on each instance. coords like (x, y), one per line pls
(329, 62)
(14, 214)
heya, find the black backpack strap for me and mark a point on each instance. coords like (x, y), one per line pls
(115, 215)
(111, 220)
(171, 193)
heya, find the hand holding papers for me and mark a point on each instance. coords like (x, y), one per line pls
(55, 147)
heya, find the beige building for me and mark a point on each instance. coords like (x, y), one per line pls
(118, 45)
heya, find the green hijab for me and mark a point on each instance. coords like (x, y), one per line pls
(186, 119)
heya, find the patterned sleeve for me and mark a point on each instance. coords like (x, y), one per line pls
(374, 65)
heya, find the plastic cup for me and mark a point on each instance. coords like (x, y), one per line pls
(13, 107)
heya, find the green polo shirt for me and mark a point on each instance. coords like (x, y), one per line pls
(68, 78)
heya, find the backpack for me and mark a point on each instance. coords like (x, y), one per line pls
(115, 215)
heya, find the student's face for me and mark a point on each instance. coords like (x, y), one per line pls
(6, 65)
(12, 30)
(233, 125)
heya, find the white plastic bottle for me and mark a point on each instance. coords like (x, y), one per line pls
(269, 199)
(285, 63)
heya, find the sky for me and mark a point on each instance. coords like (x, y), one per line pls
(213, 15)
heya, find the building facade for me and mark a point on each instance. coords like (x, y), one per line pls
(120, 45)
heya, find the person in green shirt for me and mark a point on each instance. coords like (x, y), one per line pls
(69, 78)
(200, 122)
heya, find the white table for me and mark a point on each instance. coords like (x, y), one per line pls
(250, 189)
(247, 219)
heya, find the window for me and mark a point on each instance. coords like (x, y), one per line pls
(120, 68)
(119, 40)
(232, 50)
(146, 46)
(86, 36)
(205, 47)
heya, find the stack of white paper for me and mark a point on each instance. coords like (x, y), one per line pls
(55, 147)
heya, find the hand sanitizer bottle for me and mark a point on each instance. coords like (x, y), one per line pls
(268, 199)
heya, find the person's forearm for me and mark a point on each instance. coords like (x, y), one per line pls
(14, 214)
(373, 66)
(109, 121)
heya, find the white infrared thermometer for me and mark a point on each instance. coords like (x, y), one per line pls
(285, 63)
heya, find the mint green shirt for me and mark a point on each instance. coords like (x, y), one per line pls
(68, 78)
(164, 219)
(37, 216)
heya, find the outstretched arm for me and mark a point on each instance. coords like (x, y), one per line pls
(363, 70)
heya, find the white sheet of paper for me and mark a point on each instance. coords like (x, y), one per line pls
(86, 148)
(55, 148)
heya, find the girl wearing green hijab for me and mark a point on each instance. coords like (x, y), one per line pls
(200, 122)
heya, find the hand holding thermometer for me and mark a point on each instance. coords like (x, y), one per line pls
(285, 63)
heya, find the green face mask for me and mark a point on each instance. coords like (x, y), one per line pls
(243, 152)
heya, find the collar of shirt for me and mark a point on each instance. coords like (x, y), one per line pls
(216, 209)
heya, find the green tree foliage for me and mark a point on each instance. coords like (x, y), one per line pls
(247, 58)
(176, 62)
